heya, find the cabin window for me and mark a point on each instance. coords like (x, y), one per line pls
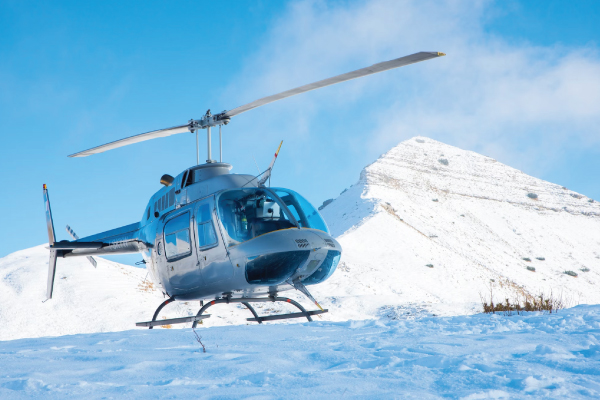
(177, 237)
(206, 231)
(206, 235)
(148, 216)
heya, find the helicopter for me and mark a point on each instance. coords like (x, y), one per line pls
(215, 237)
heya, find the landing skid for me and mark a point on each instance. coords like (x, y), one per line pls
(245, 301)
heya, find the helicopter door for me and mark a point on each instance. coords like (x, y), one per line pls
(182, 269)
(212, 255)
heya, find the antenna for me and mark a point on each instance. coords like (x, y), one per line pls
(255, 163)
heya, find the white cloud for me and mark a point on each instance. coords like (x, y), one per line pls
(502, 99)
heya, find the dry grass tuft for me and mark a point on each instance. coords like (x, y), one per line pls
(169, 326)
(523, 303)
(146, 286)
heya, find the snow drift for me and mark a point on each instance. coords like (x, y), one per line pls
(481, 356)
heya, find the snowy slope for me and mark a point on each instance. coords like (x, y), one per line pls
(478, 230)
(466, 357)
(469, 217)
(111, 297)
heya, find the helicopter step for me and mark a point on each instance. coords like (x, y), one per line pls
(287, 316)
(182, 320)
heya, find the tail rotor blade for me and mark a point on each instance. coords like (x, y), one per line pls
(71, 232)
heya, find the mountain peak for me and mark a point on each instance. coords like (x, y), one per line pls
(425, 165)
(480, 224)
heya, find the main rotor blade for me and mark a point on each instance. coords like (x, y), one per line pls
(373, 69)
(133, 139)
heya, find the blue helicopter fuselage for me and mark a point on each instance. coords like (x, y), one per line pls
(211, 234)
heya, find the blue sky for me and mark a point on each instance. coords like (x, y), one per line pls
(521, 83)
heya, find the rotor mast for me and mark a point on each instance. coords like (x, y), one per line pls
(207, 122)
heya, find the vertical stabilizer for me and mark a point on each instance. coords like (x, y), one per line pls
(51, 241)
(49, 221)
(51, 273)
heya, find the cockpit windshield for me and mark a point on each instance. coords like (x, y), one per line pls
(248, 213)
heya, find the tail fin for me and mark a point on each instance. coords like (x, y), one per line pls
(126, 239)
(51, 241)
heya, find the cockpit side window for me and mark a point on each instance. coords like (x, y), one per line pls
(190, 178)
(184, 179)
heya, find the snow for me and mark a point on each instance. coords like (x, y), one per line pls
(472, 221)
(423, 239)
(468, 357)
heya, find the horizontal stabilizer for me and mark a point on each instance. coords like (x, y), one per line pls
(123, 240)
(66, 245)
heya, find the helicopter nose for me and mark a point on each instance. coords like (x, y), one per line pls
(275, 257)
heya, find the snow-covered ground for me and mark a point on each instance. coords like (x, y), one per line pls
(471, 357)
(426, 230)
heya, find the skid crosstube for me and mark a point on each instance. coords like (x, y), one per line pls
(171, 321)
(245, 301)
(286, 316)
